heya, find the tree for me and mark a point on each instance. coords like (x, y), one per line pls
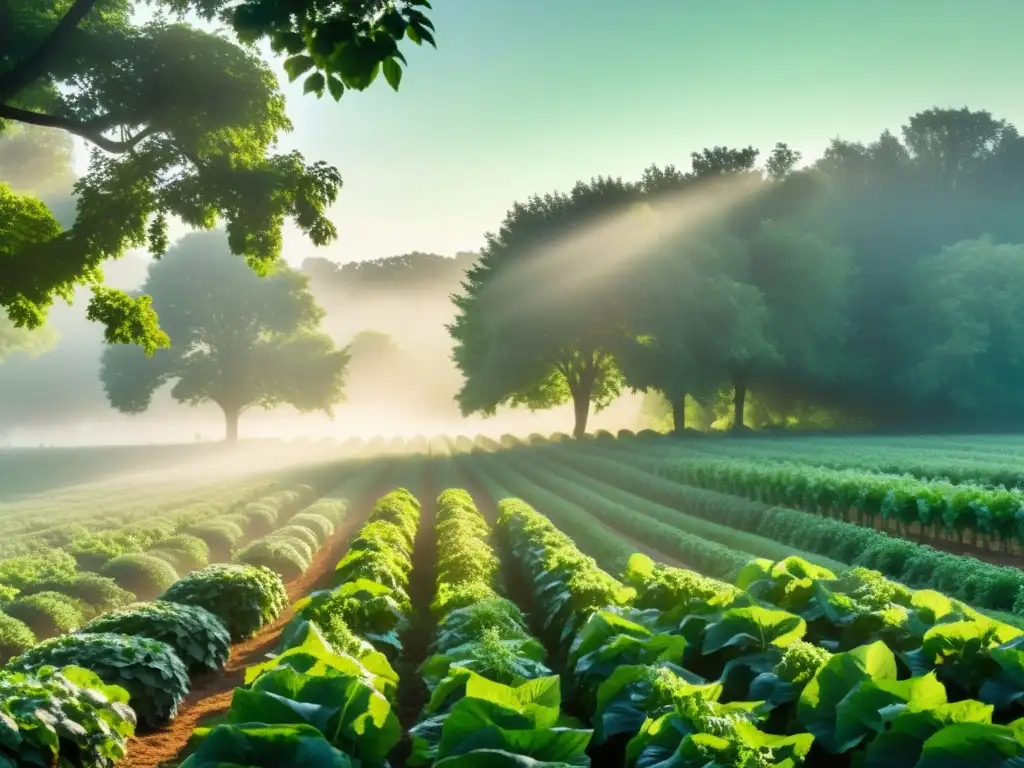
(968, 326)
(692, 320)
(236, 340)
(542, 309)
(183, 124)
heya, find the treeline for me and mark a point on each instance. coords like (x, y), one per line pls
(879, 285)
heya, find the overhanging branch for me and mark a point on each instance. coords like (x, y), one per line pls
(35, 65)
(86, 130)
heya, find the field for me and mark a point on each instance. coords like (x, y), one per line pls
(625, 601)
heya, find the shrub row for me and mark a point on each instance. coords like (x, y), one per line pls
(806, 661)
(289, 550)
(150, 649)
(326, 698)
(977, 583)
(484, 665)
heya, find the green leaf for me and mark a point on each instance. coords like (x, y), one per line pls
(314, 84)
(298, 65)
(336, 87)
(973, 745)
(901, 745)
(392, 72)
(840, 675)
(754, 627)
(868, 708)
(266, 746)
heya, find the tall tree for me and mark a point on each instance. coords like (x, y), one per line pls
(542, 308)
(236, 340)
(692, 319)
(183, 124)
(967, 323)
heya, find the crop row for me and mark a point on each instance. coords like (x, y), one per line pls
(492, 699)
(132, 666)
(790, 666)
(937, 507)
(47, 594)
(327, 697)
(920, 458)
(978, 583)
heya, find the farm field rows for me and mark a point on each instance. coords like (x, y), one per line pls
(475, 602)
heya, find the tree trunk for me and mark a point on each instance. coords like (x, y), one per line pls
(231, 424)
(581, 409)
(679, 415)
(739, 402)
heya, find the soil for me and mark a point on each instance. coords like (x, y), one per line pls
(412, 693)
(211, 693)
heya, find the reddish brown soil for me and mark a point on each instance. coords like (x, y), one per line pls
(211, 693)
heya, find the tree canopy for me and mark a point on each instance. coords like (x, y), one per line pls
(878, 284)
(183, 124)
(237, 340)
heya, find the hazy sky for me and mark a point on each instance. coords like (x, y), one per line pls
(527, 96)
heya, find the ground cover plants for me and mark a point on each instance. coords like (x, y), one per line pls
(569, 605)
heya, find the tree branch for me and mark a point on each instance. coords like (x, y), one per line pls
(87, 131)
(36, 64)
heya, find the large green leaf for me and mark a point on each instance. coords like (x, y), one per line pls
(973, 745)
(753, 627)
(256, 745)
(901, 744)
(821, 697)
(867, 708)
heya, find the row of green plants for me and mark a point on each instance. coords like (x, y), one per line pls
(938, 507)
(702, 543)
(132, 666)
(792, 665)
(327, 697)
(74, 701)
(493, 702)
(55, 520)
(973, 581)
(51, 600)
(919, 458)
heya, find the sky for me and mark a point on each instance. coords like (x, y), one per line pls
(527, 96)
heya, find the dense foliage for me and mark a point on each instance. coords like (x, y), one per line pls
(154, 677)
(825, 295)
(243, 597)
(792, 664)
(237, 340)
(64, 717)
(187, 121)
(197, 636)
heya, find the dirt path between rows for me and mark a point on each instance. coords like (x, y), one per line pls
(211, 693)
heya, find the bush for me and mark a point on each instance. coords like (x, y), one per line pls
(97, 594)
(220, 536)
(279, 555)
(21, 572)
(64, 717)
(196, 635)
(261, 519)
(243, 597)
(15, 637)
(333, 509)
(47, 613)
(195, 552)
(145, 575)
(300, 533)
(153, 675)
(321, 526)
